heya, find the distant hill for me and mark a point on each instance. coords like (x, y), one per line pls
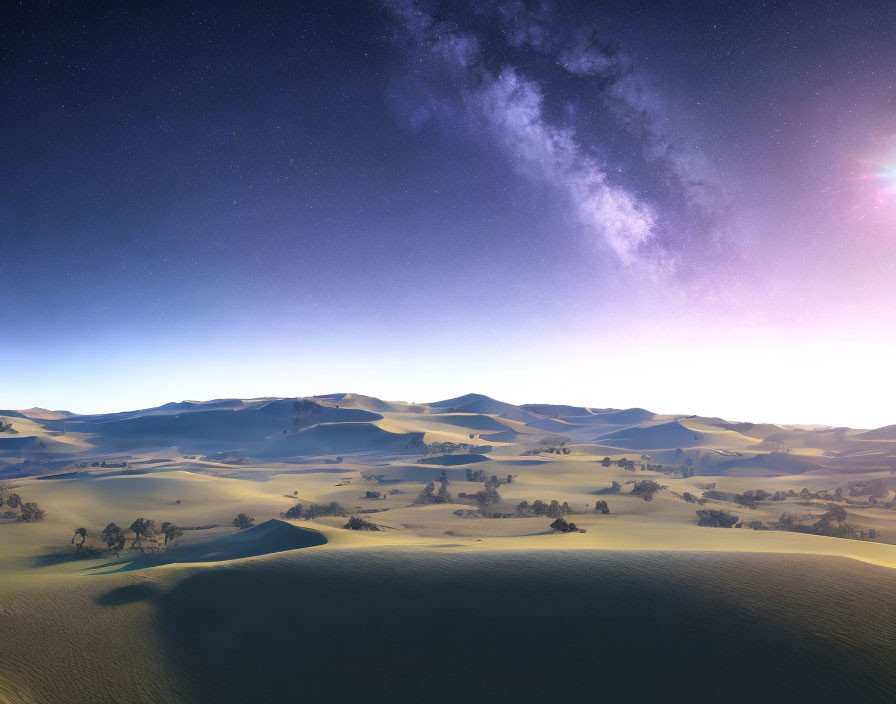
(888, 432)
(654, 437)
(478, 403)
(281, 429)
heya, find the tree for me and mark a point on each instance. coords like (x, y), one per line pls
(836, 513)
(81, 536)
(13, 500)
(242, 521)
(489, 496)
(646, 489)
(561, 526)
(113, 538)
(356, 523)
(143, 528)
(331, 509)
(716, 519)
(522, 507)
(427, 496)
(294, 512)
(442, 496)
(605, 462)
(31, 513)
(601, 507)
(171, 532)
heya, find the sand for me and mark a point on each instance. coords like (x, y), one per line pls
(59, 614)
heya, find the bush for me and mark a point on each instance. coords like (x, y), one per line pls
(561, 526)
(331, 509)
(646, 489)
(539, 508)
(242, 521)
(356, 523)
(601, 507)
(31, 513)
(430, 496)
(716, 519)
(830, 524)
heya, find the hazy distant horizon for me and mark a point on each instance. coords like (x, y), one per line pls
(93, 410)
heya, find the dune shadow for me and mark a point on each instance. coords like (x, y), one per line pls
(264, 539)
(129, 594)
(447, 627)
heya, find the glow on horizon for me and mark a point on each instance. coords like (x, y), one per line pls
(760, 378)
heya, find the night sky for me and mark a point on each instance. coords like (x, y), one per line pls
(685, 206)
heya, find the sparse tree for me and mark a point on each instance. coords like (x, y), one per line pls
(79, 538)
(31, 513)
(427, 496)
(835, 513)
(113, 538)
(356, 523)
(171, 532)
(716, 519)
(242, 521)
(143, 528)
(646, 489)
(561, 526)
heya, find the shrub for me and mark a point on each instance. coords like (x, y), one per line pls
(561, 526)
(331, 509)
(31, 513)
(716, 519)
(646, 489)
(356, 523)
(171, 532)
(430, 496)
(242, 521)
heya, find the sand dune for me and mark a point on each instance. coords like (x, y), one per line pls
(655, 437)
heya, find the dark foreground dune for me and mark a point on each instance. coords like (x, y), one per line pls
(399, 626)
(407, 625)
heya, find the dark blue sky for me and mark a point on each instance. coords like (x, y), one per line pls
(423, 183)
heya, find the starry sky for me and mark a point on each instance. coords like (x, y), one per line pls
(689, 207)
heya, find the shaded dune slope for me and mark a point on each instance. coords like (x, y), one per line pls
(309, 627)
